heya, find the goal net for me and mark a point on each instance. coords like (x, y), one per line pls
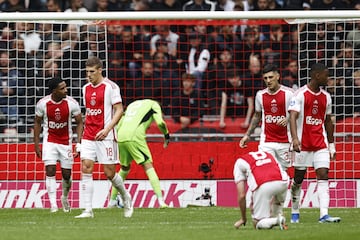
(192, 66)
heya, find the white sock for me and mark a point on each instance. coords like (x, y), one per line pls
(50, 183)
(266, 223)
(87, 185)
(66, 185)
(295, 197)
(323, 196)
(118, 183)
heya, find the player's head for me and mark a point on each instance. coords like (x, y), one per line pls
(271, 77)
(319, 73)
(93, 67)
(57, 87)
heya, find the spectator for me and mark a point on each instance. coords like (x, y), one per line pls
(166, 5)
(346, 61)
(12, 89)
(164, 32)
(36, 5)
(225, 5)
(356, 93)
(297, 5)
(253, 75)
(199, 5)
(147, 83)
(187, 103)
(290, 75)
(226, 39)
(353, 36)
(328, 5)
(216, 80)
(103, 6)
(76, 6)
(276, 48)
(53, 6)
(12, 6)
(237, 99)
(129, 51)
(198, 59)
(7, 35)
(251, 45)
(341, 96)
(164, 67)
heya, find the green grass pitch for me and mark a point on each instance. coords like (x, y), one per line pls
(198, 223)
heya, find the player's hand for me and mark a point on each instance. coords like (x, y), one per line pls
(332, 151)
(77, 150)
(295, 145)
(238, 224)
(282, 122)
(222, 124)
(166, 140)
(38, 151)
(101, 135)
(243, 141)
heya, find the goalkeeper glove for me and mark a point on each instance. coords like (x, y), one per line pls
(166, 140)
(78, 147)
(332, 150)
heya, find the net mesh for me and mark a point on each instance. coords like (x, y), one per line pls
(151, 58)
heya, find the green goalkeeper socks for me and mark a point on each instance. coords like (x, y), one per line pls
(155, 183)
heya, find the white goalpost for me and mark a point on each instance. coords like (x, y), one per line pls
(35, 47)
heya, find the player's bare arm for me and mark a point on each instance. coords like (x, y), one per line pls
(37, 130)
(329, 128)
(242, 204)
(118, 112)
(255, 120)
(293, 130)
(79, 131)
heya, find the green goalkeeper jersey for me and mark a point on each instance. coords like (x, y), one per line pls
(137, 119)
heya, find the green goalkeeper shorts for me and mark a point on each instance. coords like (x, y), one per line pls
(138, 151)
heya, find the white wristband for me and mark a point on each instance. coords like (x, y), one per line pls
(332, 149)
(78, 147)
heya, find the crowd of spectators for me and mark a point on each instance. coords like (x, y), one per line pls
(192, 70)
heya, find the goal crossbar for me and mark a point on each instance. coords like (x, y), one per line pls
(188, 15)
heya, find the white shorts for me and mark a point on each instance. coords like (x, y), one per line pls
(53, 152)
(265, 195)
(104, 152)
(279, 150)
(316, 159)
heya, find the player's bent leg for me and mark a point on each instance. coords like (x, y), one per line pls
(118, 183)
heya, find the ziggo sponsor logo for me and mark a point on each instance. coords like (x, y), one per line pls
(273, 119)
(55, 125)
(93, 112)
(313, 121)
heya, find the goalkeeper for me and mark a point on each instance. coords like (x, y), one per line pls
(131, 132)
